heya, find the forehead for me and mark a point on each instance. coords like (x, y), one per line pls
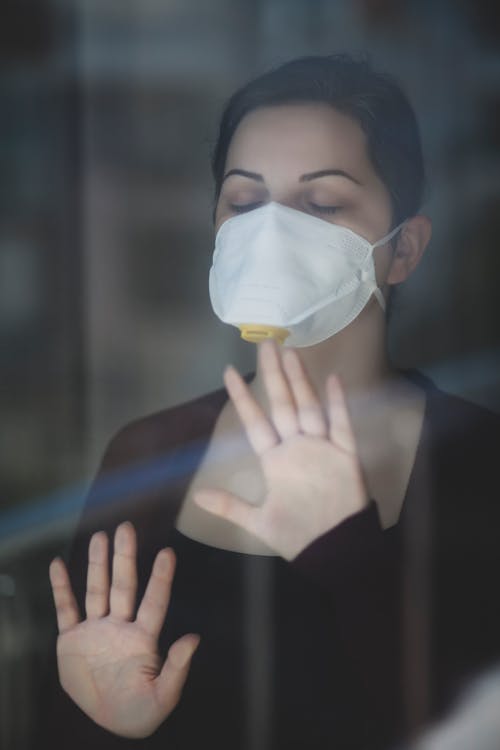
(305, 137)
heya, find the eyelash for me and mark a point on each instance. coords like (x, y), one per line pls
(241, 209)
(324, 209)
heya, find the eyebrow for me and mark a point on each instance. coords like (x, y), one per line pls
(244, 173)
(328, 173)
(303, 178)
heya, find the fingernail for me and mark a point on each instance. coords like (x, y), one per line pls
(188, 652)
(55, 565)
(181, 653)
(196, 639)
(95, 541)
(121, 533)
(163, 562)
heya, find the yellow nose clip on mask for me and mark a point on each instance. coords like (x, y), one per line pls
(255, 333)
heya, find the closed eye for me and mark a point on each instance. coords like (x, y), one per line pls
(242, 208)
(324, 209)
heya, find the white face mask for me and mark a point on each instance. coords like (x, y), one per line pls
(278, 272)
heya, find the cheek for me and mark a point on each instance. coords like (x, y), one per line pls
(376, 212)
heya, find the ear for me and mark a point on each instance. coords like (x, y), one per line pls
(412, 241)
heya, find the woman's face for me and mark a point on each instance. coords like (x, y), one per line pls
(312, 158)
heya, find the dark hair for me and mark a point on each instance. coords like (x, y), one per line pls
(353, 87)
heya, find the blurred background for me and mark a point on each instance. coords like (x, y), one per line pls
(108, 113)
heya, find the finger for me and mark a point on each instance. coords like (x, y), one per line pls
(341, 432)
(154, 605)
(309, 410)
(226, 505)
(174, 672)
(124, 580)
(64, 599)
(259, 430)
(97, 597)
(281, 401)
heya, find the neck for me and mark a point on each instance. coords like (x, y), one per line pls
(386, 410)
(357, 354)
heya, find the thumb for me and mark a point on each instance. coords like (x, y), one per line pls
(174, 672)
(228, 506)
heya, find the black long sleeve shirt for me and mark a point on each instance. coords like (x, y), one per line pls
(361, 639)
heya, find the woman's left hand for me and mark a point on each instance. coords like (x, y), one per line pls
(307, 454)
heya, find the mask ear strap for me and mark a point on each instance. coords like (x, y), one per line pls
(389, 236)
(366, 277)
(379, 297)
(376, 291)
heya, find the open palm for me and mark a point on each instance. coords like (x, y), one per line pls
(109, 663)
(307, 453)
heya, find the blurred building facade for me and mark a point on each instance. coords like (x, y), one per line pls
(109, 111)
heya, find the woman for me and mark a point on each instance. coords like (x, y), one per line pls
(339, 483)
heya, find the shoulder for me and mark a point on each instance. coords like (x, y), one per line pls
(154, 434)
(462, 443)
(140, 478)
(147, 459)
(470, 432)
(459, 424)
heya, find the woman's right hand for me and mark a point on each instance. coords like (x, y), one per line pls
(109, 663)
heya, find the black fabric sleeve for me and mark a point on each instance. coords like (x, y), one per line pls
(351, 553)
(355, 564)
